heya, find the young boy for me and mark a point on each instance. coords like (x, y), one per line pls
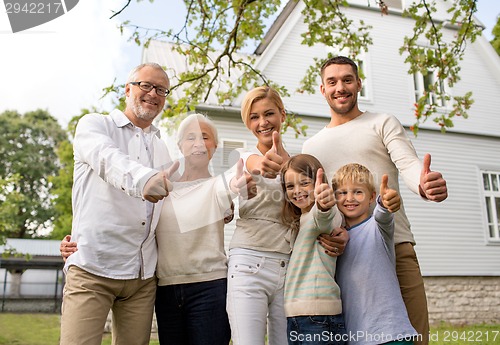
(374, 310)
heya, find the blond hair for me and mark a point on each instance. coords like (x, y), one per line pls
(355, 173)
(258, 94)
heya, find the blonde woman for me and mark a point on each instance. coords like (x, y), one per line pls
(260, 248)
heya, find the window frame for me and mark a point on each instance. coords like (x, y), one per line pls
(491, 198)
(392, 3)
(419, 88)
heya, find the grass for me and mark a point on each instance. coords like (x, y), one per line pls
(462, 335)
(35, 329)
(29, 329)
(43, 329)
(107, 340)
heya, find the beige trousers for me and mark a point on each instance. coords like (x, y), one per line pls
(412, 289)
(87, 299)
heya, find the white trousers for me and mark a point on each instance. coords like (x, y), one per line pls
(255, 296)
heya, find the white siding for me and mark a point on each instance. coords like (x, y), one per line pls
(452, 236)
(34, 282)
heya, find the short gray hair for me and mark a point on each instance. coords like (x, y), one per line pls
(199, 118)
(133, 73)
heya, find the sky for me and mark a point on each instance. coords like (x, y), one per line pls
(63, 65)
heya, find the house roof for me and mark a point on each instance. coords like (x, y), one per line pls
(33, 246)
(44, 254)
(166, 54)
(275, 27)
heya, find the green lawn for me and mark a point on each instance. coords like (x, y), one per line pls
(34, 329)
(29, 329)
(472, 334)
(43, 329)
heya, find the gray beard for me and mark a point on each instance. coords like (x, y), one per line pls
(140, 112)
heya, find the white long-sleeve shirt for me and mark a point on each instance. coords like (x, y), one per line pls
(113, 225)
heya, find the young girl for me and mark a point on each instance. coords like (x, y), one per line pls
(312, 297)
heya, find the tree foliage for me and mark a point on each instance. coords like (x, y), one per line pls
(10, 202)
(28, 146)
(215, 31)
(496, 36)
(63, 182)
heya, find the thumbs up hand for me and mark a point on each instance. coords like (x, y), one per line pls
(159, 185)
(432, 184)
(274, 158)
(278, 146)
(389, 197)
(323, 193)
(243, 183)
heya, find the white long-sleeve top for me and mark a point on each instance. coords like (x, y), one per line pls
(259, 226)
(190, 232)
(112, 224)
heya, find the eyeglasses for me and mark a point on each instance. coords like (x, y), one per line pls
(147, 87)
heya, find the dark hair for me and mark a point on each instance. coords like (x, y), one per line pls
(339, 60)
(304, 164)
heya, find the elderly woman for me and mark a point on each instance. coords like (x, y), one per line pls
(192, 264)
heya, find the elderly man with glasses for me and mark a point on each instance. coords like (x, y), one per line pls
(120, 173)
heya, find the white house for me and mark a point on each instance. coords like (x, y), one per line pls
(458, 241)
(31, 275)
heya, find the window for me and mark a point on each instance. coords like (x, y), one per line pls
(422, 84)
(228, 147)
(362, 71)
(394, 4)
(491, 184)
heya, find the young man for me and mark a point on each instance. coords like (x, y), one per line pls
(379, 142)
(118, 166)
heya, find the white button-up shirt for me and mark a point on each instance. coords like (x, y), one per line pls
(113, 226)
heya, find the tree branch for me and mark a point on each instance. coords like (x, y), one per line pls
(120, 11)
